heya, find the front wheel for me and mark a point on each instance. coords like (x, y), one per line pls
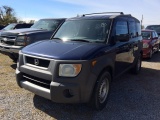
(150, 54)
(101, 90)
(13, 57)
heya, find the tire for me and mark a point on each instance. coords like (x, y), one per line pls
(137, 67)
(158, 49)
(150, 54)
(101, 91)
(13, 57)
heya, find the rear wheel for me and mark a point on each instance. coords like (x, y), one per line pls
(101, 90)
(137, 67)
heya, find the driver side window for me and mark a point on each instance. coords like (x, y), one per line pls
(153, 35)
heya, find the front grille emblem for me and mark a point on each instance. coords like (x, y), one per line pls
(36, 61)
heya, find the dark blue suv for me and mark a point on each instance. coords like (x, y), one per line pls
(85, 54)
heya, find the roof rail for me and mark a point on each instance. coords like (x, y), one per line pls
(121, 13)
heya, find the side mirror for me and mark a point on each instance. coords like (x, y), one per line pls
(122, 37)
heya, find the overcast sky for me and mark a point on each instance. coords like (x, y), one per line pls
(37, 9)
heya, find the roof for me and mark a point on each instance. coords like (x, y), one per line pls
(101, 16)
(91, 17)
(53, 19)
(152, 25)
(147, 30)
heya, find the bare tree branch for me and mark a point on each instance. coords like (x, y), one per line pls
(7, 15)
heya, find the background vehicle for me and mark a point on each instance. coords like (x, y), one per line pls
(1, 27)
(85, 55)
(13, 26)
(150, 43)
(156, 28)
(14, 40)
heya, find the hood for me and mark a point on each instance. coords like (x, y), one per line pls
(18, 31)
(57, 49)
(146, 41)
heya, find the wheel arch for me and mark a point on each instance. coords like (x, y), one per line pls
(106, 68)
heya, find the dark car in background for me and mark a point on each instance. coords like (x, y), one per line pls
(13, 26)
(81, 59)
(1, 27)
(154, 27)
(150, 43)
(14, 40)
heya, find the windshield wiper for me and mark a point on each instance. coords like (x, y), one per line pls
(98, 41)
(57, 38)
(82, 40)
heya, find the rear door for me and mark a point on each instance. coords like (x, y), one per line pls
(135, 37)
(122, 48)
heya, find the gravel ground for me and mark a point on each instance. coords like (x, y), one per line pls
(132, 97)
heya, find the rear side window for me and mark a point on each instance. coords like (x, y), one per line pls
(132, 28)
(18, 26)
(26, 25)
(138, 29)
(121, 28)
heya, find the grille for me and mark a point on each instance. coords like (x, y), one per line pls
(9, 40)
(37, 81)
(11, 37)
(37, 62)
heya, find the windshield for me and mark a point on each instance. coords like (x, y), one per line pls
(154, 27)
(146, 35)
(10, 26)
(48, 24)
(88, 30)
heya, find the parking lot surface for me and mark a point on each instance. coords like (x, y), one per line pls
(132, 97)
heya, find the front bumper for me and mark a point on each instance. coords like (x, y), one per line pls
(58, 92)
(146, 52)
(59, 89)
(10, 48)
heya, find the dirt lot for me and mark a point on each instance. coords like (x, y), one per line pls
(132, 97)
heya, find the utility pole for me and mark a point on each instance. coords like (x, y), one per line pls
(0, 13)
(142, 22)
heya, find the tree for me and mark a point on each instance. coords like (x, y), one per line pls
(7, 15)
(32, 21)
(142, 26)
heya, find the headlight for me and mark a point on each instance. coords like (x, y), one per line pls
(145, 45)
(69, 70)
(21, 40)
